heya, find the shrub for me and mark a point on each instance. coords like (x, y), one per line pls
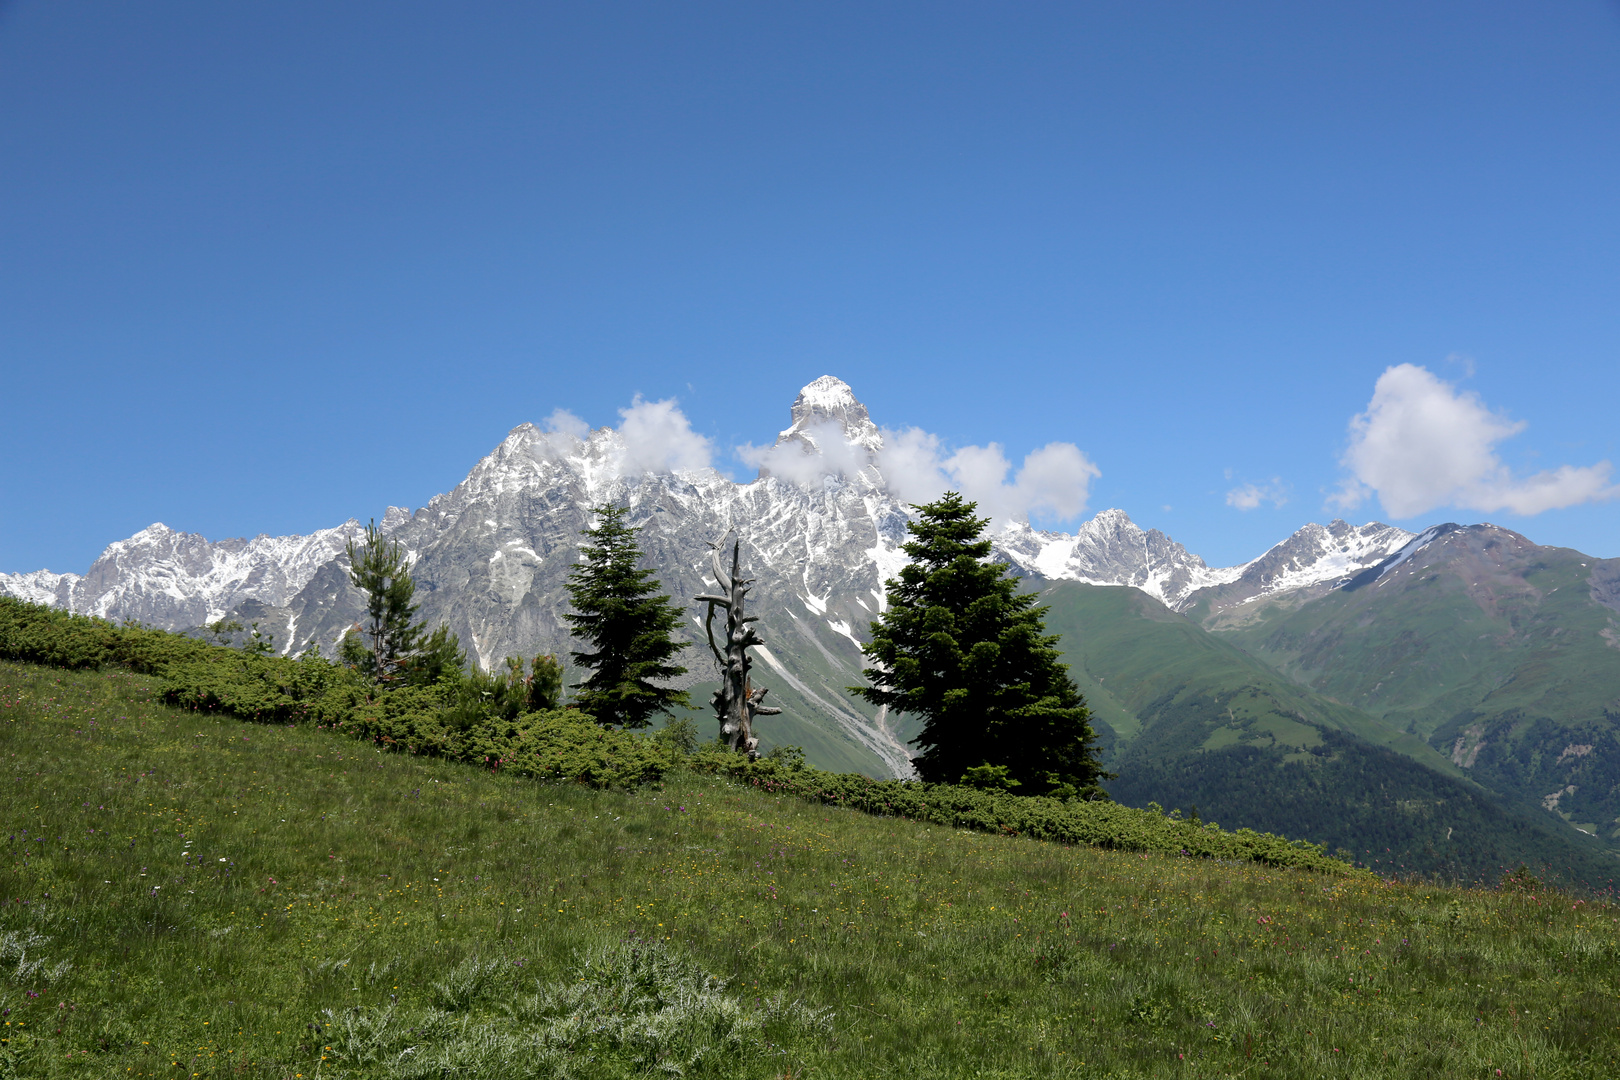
(37, 634)
(483, 719)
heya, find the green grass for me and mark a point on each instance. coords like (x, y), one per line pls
(495, 926)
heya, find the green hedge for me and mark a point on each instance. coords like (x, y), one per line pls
(561, 744)
(1100, 824)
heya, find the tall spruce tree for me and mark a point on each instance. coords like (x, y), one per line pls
(627, 622)
(961, 647)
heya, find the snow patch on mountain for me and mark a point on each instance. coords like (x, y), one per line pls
(179, 580)
(1314, 560)
(1415, 545)
(1111, 549)
(40, 587)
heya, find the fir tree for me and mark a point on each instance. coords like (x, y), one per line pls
(400, 650)
(439, 656)
(627, 623)
(379, 569)
(961, 647)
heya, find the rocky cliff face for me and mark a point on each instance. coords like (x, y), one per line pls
(1111, 550)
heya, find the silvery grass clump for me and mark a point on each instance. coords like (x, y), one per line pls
(16, 944)
(632, 1007)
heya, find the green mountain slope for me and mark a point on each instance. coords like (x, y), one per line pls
(1191, 720)
(1502, 654)
(1135, 659)
(808, 668)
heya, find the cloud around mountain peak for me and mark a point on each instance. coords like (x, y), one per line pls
(832, 435)
(652, 437)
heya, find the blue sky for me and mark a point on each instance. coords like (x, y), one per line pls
(266, 267)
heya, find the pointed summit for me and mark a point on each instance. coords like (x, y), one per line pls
(829, 400)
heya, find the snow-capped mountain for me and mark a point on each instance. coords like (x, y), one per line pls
(821, 531)
(1314, 560)
(180, 580)
(41, 587)
(1111, 550)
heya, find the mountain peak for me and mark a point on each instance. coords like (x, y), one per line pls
(829, 392)
(826, 401)
(1113, 519)
(1313, 560)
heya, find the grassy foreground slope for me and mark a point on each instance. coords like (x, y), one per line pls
(193, 896)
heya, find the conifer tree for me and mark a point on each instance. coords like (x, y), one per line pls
(379, 569)
(400, 649)
(961, 647)
(627, 622)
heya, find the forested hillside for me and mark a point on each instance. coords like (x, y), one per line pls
(1504, 655)
(1198, 723)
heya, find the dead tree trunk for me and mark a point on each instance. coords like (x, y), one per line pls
(736, 703)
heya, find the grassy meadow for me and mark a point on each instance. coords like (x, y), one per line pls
(193, 896)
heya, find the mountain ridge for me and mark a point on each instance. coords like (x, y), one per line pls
(174, 579)
(822, 529)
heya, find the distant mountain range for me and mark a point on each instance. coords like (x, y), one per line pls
(1487, 664)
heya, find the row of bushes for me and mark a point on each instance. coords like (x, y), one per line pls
(1065, 821)
(558, 744)
(35, 634)
(566, 744)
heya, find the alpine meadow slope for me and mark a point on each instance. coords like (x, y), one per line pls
(217, 898)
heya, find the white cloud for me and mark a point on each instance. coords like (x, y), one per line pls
(657, 437)
(1464, 361)
(1254, 496)
(911, 465)
(561, 435)
(1422, 444)
(1247, 497)
(916, 468)
(563, 422)
(823, 451)
(1056, 479)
